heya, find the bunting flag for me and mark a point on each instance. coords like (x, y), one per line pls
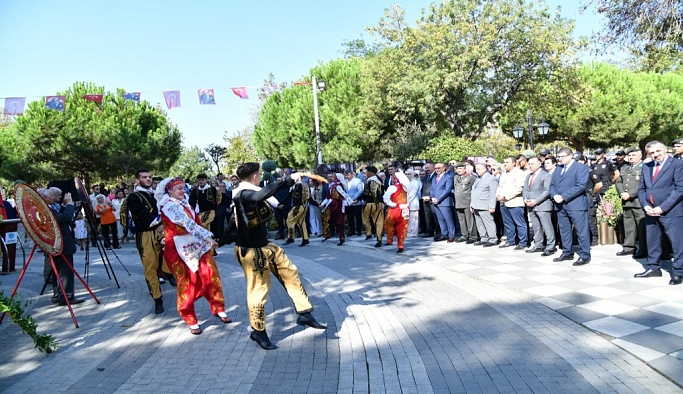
(97, 98)
(172, 98)
(55, 102)
(14, 106)
(241, 92)
(206, 96)
(132, 96)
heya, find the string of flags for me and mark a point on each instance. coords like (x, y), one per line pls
(16, 105)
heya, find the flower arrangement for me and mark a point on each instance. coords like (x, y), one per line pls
(609, 209)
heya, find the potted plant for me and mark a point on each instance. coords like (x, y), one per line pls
(608, 215)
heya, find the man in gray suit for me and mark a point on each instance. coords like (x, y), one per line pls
(536, 194)
(483, 206)
(463, 197)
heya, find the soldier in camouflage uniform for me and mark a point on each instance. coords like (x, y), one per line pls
(634, 217)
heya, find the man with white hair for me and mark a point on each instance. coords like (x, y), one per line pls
(64, 262)
(661, 195)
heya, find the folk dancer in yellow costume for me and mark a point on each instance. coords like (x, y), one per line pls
(259, 257)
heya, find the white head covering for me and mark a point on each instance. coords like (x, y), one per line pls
(403, 179)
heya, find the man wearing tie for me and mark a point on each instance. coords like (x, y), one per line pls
(568, 191)
(536, 194)
(442, 198)
(660, 193)
(431, 222)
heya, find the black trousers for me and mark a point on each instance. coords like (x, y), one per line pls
(110, 228)
(354, 218)
(432, 224)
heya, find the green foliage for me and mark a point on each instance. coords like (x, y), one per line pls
(285, 129)
(448, 148)
(192, 162)
(651, 29)
(43, 342)
(88, 139)
(622, 107)
(610, 209)
(216, 153)
(499, 145)
(463, 62)
(268, 166)
(239, 151)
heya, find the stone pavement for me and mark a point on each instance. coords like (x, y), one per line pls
(440, 318)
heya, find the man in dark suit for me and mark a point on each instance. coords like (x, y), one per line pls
(442, 197)
(64, 263)
(660, 193)
(536, 194)
(432, 224)
(568, 191)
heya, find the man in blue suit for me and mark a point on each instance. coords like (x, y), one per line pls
(442, 197)
(660, 194)
(568, 191)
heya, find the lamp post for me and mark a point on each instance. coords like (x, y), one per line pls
(317, 85)
(542, 128)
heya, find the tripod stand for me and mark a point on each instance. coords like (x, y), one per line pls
(42, 226)
(90, 217)
(55, 275)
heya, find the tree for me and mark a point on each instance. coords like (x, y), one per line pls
(239, 151)
(192, 162)
(463, 62)
(651, 29)
(622, 107)
(285, 128)
(88, 139)
(216, 153)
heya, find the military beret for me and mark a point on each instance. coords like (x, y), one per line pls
(677, 141)
(599, 151)
(620, 153)
(544, 152)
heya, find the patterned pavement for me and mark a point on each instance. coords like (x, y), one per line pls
(440, 318)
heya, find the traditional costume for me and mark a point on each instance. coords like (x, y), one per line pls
(143, 210)
(373, 213)
(204, 200)
(296, 219)
(259, 258)
(333, 209)
(396, 221)
(188, 251)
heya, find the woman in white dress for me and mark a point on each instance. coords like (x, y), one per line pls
(414, 193)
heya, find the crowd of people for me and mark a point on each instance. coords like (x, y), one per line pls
(535, 203)
(532, 203)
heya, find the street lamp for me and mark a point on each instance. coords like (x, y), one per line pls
(542, 128)
(317, 85)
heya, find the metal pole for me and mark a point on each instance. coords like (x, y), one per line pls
(318, 143)
(531, 128)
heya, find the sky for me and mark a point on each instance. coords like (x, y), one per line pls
(152, 46)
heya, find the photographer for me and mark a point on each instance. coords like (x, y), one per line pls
(105, 209)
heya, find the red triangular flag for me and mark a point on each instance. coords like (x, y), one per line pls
(241, 92)
(97, 98)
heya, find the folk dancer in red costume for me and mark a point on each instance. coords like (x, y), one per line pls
(333, 207)
(188, 251)
(398, 211)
